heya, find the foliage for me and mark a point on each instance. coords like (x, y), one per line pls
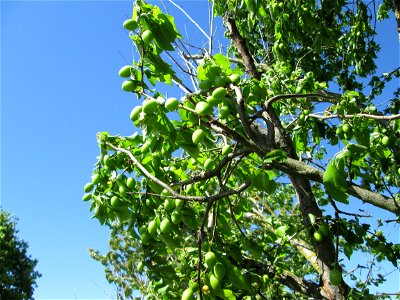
(258, 161)
(17, 274)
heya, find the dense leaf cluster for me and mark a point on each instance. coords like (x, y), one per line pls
(257, 160)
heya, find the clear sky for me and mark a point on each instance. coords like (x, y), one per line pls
(59, 87)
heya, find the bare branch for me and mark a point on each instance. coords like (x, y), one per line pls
(190, 18)
(242, 116)
(361, 115)
(324, 96)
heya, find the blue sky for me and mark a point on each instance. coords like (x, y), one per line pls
(59, 87)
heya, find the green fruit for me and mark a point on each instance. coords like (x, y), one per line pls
(130, 183)
(115, 202)
(152, 227)
(210, 258)
(220, 81)
(219, 270)
(213, 101)
(198, 136)
(122, 190)
(87, 197)
(96, 178)
(128, 85)
(140, 267)
(165, 226)
(130, 24)
(187, 294)
(178, 203)
(226, 150)
(176, 217)
(108, 161)
(125, 71)
(88, 187)
(147, 36)
(203, 108)
(145, 147)
(318, 236)
(135, 113)
(224, 112)
(385, 140)
(208, 163)
(214, 282)
(150, 106)
(234, 78)
(169, 204)
(335, 276)
(219, 92)
(205, 85)
(172, 104)
(346, 128)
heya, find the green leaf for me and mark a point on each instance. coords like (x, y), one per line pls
(335, 180)
(237, 279)
(348, 250)
(222, 61)
(225, 294)
(335, 174)
(275, 156)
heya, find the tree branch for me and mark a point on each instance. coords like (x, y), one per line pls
(361, 115)
(241, 46)
(171, 190)
(297, 168)
(286, 278)
(295, 96)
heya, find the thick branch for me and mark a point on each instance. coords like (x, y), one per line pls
(297, 168)
(286, 278)
(241, 46)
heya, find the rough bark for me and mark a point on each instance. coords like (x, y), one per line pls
(325, 251)
(301, 169)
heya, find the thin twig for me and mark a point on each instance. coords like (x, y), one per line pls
(172, 191)
(295, 96)
(360, 115)
(188, 16)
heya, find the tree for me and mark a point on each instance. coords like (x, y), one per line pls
(246, 187)
(17, 274)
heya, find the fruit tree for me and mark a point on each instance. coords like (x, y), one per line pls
(265, 174)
